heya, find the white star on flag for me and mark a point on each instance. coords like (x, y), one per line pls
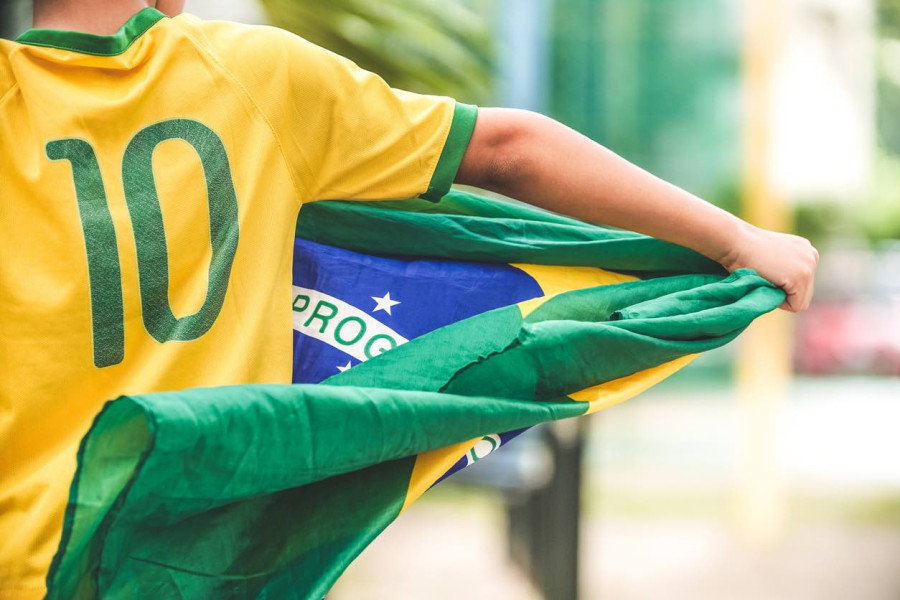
(384, 303)
(345, 367)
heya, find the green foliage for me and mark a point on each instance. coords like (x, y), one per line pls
(426, 46)
(889, 116)
(881, 215)
(823, 220)
(888, 88)
(889, 18)
(874, 217)
(656, 81)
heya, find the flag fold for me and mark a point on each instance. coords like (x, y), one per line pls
(268, 491)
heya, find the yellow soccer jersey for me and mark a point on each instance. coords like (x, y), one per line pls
(149, 187)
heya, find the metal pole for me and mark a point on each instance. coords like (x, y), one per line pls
(544, 525)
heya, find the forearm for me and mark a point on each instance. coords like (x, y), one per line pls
(545, 163)
(538, 160)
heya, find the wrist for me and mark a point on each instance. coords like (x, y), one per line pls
(738, 240)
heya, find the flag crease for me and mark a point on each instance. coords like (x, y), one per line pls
(459, 321)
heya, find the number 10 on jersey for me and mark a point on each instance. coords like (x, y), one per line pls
(142, 199)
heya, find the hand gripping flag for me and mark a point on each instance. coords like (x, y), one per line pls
(425, 335)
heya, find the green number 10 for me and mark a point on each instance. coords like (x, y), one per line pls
(141, 196)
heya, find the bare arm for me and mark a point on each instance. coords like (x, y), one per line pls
(538, 160)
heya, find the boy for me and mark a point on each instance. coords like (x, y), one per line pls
(130, 133)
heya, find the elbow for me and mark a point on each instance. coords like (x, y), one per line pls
(503, 157)
(506, 171)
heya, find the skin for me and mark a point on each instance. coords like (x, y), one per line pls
(541, 161)
(538, 160)
(100, 17)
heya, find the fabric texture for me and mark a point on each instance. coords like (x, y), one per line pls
(270, 491)
(151, 185)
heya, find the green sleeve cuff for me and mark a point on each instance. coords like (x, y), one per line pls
(464, 117)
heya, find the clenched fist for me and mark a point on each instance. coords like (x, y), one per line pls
(788, 261)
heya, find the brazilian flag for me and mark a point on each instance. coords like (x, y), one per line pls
(420, 330)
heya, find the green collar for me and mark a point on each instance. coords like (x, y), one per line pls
(88, 43)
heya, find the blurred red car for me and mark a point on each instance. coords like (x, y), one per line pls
(853, 326)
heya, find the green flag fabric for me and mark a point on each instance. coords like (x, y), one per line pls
(269, 492)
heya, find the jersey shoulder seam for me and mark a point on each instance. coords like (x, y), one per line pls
(243, 89)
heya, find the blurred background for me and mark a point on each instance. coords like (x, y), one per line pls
(769, 469)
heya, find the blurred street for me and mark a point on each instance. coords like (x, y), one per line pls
(659, 507)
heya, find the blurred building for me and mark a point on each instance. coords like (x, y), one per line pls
(659, 82)
(824, 99)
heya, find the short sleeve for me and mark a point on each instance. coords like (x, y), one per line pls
(345, 133)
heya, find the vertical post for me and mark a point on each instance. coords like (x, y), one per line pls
(544, 524)
(764, 361)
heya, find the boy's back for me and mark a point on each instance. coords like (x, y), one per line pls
(150, 185)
